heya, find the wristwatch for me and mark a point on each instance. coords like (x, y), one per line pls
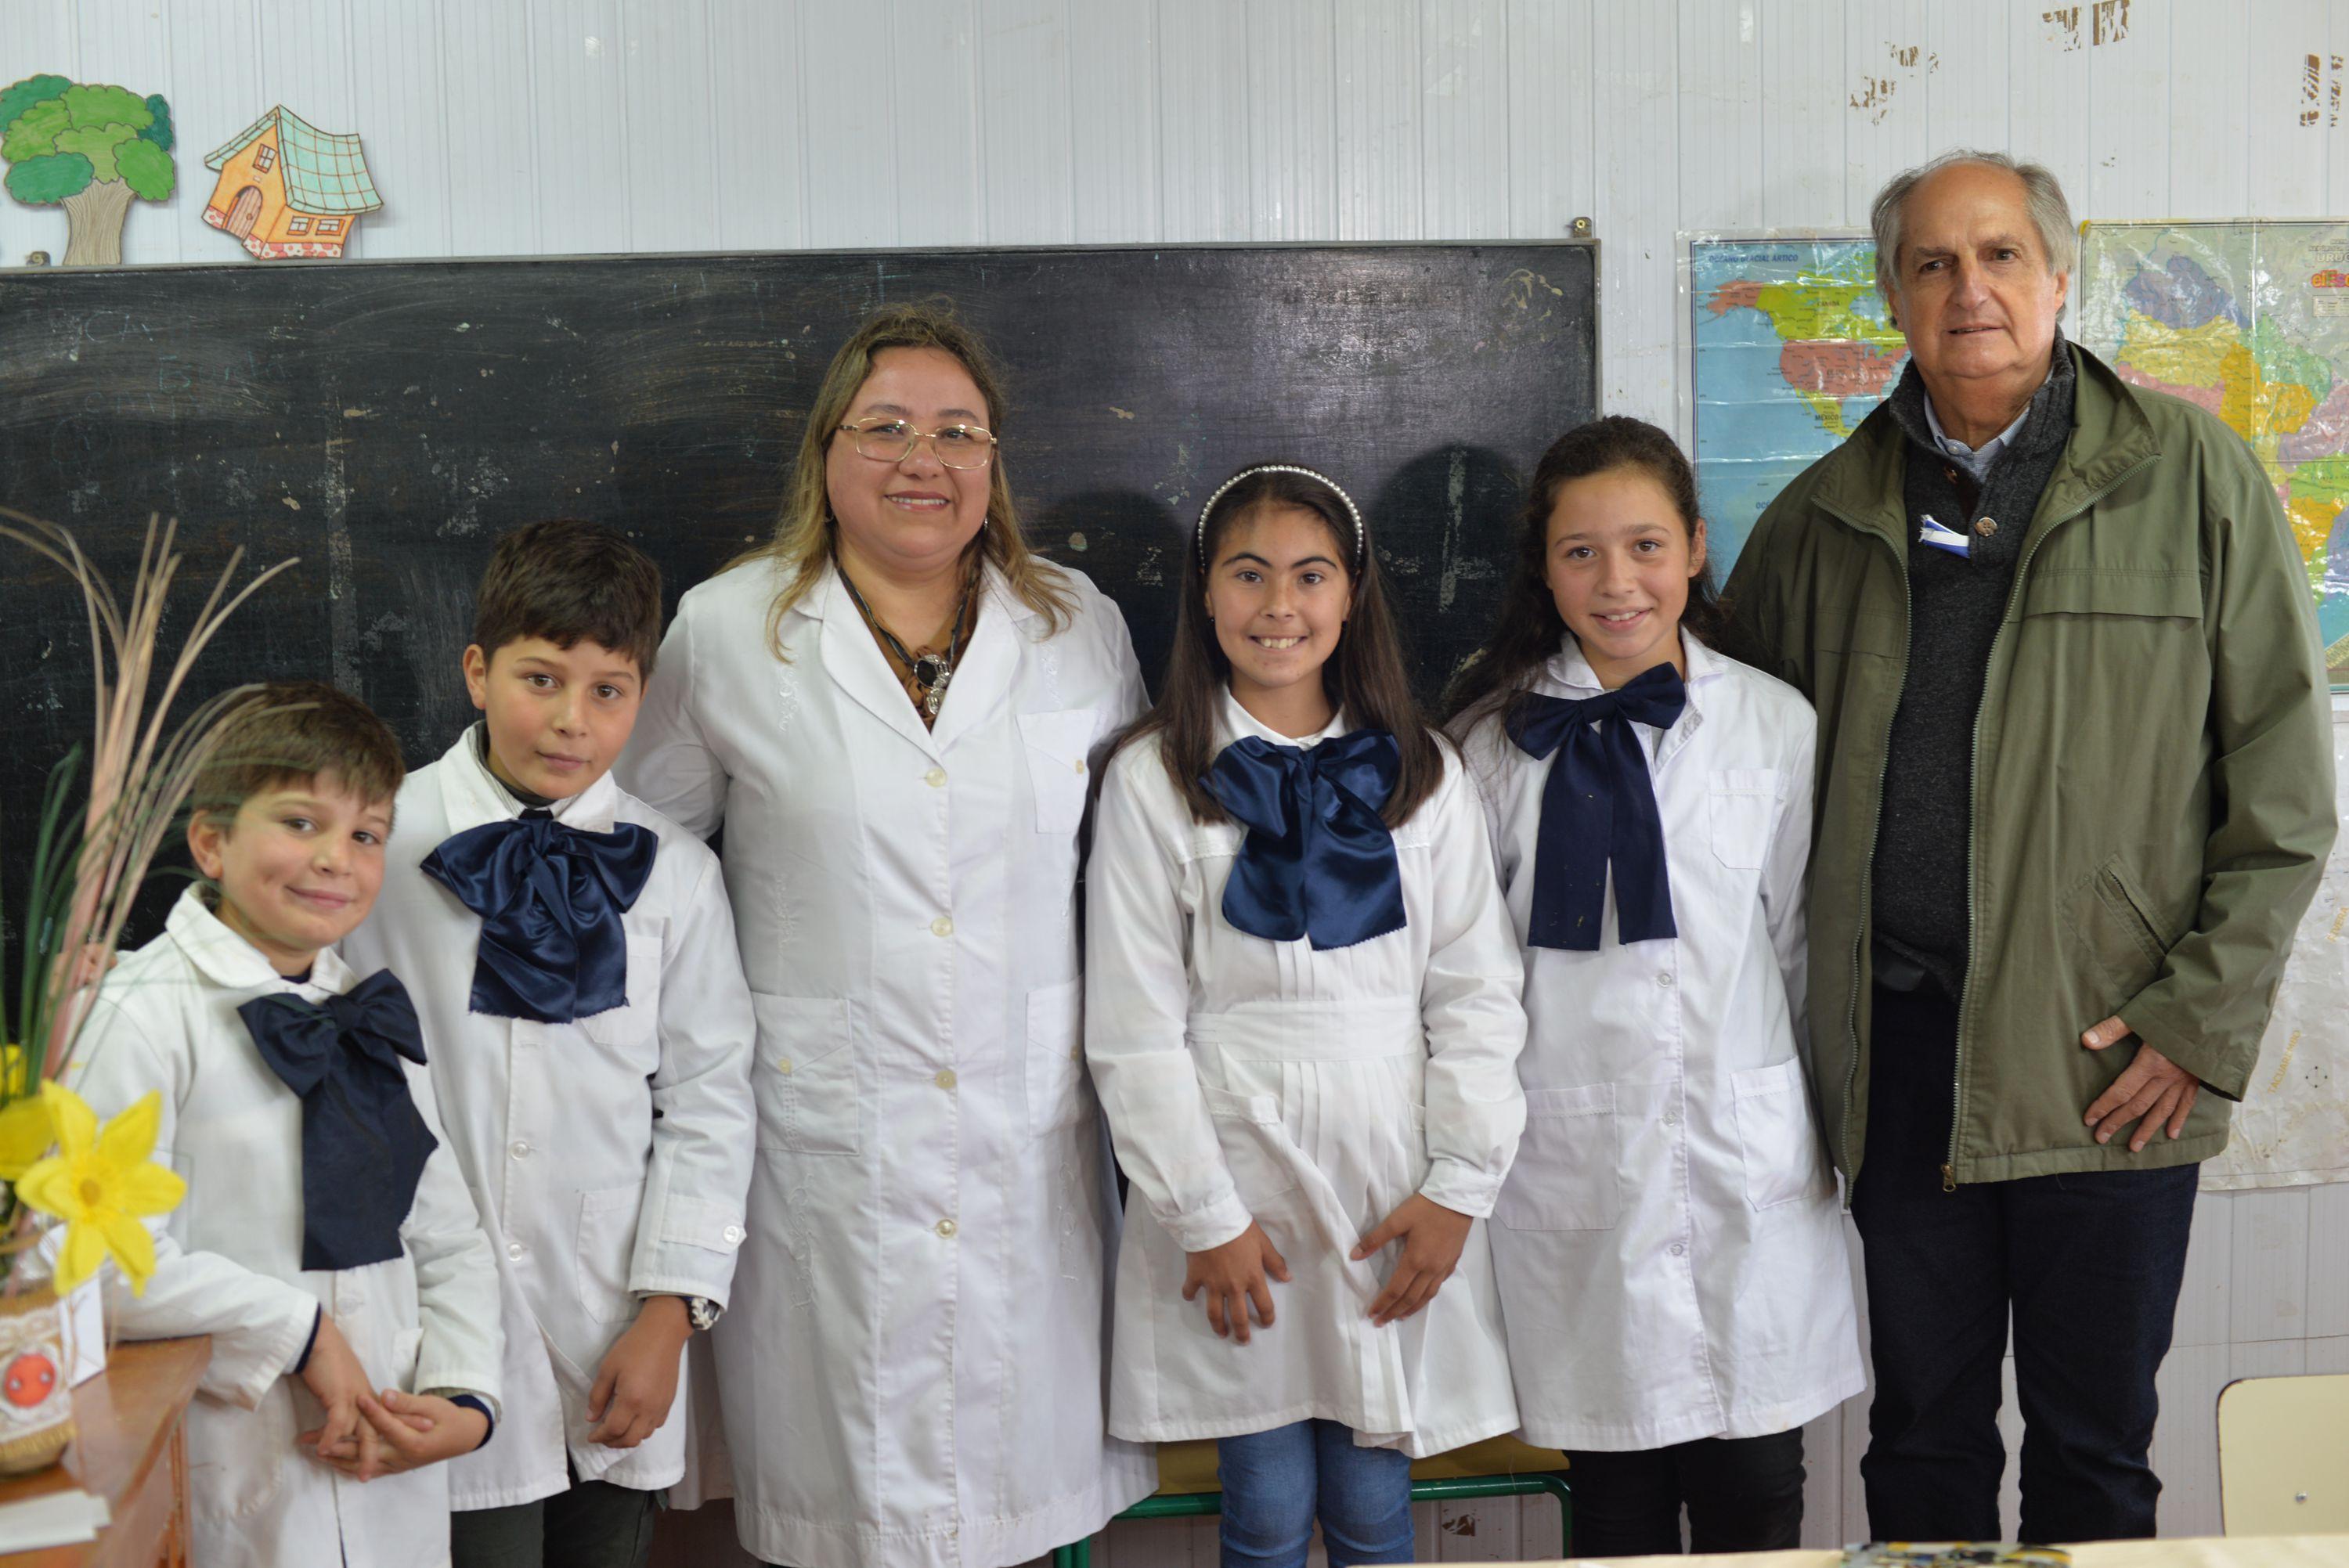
(702, 1313)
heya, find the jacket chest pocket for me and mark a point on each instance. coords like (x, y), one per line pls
(1056, 1053)
(1784, 1161)
(1740, 807)
(634, 1025)
(805, 1079)
(1058, 774)
(2150, 593)
(1567, 1173)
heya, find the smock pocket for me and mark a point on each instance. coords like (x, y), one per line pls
(1784, 1160)
(634, 1025)
(2112, 921)
(1057, 770)
(1742, 805)
(805, 1080)
(406, 1346)
(1056, 1055)
(1567, 1173)
(606, 1242)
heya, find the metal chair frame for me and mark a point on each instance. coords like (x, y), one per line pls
(1450, 1489)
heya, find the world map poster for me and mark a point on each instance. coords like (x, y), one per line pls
(1792, 348)
(2250, 320)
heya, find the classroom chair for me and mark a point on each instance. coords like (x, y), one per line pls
(1498, 1467)
(2283, 1455)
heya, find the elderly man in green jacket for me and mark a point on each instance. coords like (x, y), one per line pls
(2074, 792)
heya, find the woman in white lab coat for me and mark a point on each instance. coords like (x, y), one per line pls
(1670, 1255)
(890, 709)
(1303, 1015)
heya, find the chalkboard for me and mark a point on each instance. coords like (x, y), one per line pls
(385, 421)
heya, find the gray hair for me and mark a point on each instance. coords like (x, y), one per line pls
(2043, 196)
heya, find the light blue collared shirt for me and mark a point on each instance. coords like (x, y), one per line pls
(1975, 460)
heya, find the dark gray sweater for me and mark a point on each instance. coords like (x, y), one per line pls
(1955, 605)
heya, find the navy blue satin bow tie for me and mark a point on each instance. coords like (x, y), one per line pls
(1318, 860)
(550, 897)
(364, 1143)
(1598, 807)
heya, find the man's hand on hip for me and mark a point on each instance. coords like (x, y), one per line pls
(2152, 1091)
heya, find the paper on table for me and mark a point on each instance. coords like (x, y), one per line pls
(53, 1519)
(82, 1315)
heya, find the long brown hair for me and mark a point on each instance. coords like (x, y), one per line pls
(804, 527)
(1528, 628)
(1365, 677)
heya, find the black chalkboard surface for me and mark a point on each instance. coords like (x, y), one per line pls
(384, 421)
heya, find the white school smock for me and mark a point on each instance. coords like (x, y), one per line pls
(912, 1367)
(608, 1156)
(1313, 1092)
(228, 1262)
(1670, 1249)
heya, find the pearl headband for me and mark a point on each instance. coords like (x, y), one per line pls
(1209, 509)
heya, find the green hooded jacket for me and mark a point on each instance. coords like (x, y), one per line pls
(2152, 782)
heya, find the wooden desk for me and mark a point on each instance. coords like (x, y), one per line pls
(2237, 1552)
(128, 1448)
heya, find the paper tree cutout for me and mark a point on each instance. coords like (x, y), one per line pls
(288, 190)
(88, 148)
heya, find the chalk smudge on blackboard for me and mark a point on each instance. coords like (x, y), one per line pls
(342, 592)
(1455, 517)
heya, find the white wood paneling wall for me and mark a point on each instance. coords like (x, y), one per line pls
(524, 127)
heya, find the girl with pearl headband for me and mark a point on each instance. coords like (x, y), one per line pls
(1303, 1020)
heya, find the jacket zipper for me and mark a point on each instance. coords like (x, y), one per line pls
(1867, 882)
(1973, 812)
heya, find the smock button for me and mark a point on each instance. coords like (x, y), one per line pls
(1080, 765)
(514, 1250)
(942, 926)
(520, 1148)
(783, 1064)
(936, 777)
(1678, 1250)
(1672, 1116)
(733, 1234)
(945, 1227)
(1664, 980)
(1986, 527)
(945, 1078)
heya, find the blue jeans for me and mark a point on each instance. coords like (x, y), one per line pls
(2086, 1265)
(1277, 1483)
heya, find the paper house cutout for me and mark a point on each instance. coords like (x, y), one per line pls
(287, 189)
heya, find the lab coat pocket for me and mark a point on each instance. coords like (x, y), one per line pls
(236, 1458)
(1784, 1161)
(1056, 1051)
(635, 1023)
(806, 1076)
(1743, 803)
(1057, 743)
(1566, 1175)
(606, 1244)
(1249, 1128)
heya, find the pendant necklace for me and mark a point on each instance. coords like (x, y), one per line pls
(931, 671)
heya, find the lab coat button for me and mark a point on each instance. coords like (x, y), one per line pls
(946, 1228)
(520, 1148)
(514, 1250)
(945, 1078)
(936, 779)
(1678, 1250)
(1672, 1116)
(942, 926)
(733, 1234)
(1664, 980)
(1080, 765)
(783, 1063)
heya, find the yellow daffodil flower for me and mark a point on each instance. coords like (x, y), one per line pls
(24, 1120)
(100, 1183)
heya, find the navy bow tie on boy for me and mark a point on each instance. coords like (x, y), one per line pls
(1318, 860)
(1599, 808)
(550, 896)
(364, 1143)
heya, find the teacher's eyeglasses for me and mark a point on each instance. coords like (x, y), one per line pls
(893, 441)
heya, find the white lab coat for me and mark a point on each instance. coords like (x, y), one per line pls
(1669, 1248)
(1312, 1091)
(912, 1371)
(229, 1262)
(608, 1157)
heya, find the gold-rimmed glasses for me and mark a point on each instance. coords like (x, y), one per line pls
(887, 440)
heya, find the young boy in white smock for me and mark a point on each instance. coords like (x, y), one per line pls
(573, 955)
(325, 1242)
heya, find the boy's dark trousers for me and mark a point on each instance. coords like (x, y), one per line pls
(2088, 1266)
(1742, 1494)
(594, 1525)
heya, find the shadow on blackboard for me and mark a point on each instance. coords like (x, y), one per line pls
(1129, 543)
(1444, 527)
